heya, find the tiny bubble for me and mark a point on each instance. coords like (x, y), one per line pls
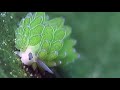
(25, 74)
(23, 66)
(10, 57)
(11, 17)
(31, 75)
(60, 62)
(26, 69)
(10, 73)
(7, 30)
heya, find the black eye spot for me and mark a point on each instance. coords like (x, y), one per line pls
(30, 56)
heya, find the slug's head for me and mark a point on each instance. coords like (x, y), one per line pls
(27, 57)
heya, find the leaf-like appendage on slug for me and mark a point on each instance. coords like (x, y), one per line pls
(48, 40)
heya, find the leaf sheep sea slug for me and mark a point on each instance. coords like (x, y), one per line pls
(45, 42)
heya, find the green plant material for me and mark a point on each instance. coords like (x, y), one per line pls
(10, 66)
(50, 39)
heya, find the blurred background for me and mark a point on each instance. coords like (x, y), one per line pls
(98, 42)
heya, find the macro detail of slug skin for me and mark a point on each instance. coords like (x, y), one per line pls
(40, 39)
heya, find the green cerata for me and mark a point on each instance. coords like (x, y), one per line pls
(45, 42)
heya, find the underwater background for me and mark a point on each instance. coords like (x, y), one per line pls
(98, 42)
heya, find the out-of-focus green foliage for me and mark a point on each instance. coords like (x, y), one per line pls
(98, 42)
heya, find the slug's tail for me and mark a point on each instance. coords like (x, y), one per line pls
(44, 66)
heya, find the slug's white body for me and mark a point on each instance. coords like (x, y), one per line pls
(25, 58)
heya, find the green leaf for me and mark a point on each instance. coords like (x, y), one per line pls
(27, 32)
(24, 40)
(26, 21)
(57, 23)
(67, 50)
(52, 55)
(18, 43)
(62, 54)
(42, 54)
(46, 45)
(34, 40)
(68, 30)
(19, 31)
(56, 46)
(38, 18)
(48, 33)
(59, 34)
(37, 30)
